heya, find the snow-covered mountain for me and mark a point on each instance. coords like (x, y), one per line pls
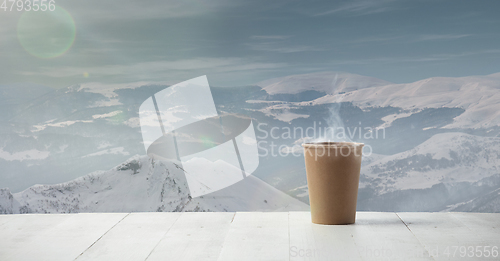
(489, 202)
(141, 184)
(56, 135)
(446, 129)
(440, 149)
(445, 170)
(443, 173)
(444, 158)
(325, 82)
(479, 96)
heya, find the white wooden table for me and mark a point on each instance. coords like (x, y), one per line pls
(248, 236)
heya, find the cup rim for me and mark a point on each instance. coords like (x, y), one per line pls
(331, 144)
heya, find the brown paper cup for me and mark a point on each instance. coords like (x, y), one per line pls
(332, 178)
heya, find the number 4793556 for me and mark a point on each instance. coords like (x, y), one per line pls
(28, 5)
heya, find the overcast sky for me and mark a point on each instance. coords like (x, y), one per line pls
(243, 42)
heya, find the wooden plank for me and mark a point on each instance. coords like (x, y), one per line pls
(383, 236)
(310, 241)
(53, 236)
(133, 238)
(442, 234)
(257, 236)
(195, 236)
(246, 236)
(485, 225)
(21, 230)
(6, 218)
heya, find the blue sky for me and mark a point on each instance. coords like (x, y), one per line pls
(243, 42)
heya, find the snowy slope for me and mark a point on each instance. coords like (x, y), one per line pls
(430, 165)
(326, 82)
(7, 203)
(141, 184)
(478, 95)
(448, 172)
(444, 158)
(80, 129)
(485, 203)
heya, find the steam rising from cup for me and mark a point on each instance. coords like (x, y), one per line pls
(334, 121)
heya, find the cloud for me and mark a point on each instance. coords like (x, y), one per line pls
(274, 47)
(270, 37)
(409, 38)
(139, 10)
(159, 68)
(377, 39)
(432, 37)
(429, 58)
(99, 12)
(361, 7)
(276, 43)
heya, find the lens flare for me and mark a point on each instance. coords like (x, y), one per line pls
(118, 118)
(207, 142)
(46, 34)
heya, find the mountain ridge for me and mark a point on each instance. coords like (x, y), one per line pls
(326, 82)
(143, 184)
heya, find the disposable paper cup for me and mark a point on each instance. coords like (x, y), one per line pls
(332, 170)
